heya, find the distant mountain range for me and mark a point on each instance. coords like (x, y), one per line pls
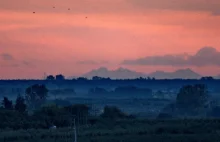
(122, 73)
(217, 77)
(182, 73)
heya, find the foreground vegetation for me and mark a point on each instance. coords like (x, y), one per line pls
(185, 130)
(191, 118)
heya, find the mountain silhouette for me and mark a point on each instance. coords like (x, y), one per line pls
(123, 73)
(181, 73)
(120, 73)
(217, 77)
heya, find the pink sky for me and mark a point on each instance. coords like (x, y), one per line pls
(54, 40)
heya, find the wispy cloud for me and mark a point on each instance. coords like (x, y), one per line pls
(27, 63)
(211, 6)
(7, 60)
(207, 56)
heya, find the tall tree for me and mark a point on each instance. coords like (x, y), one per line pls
(36, 95)
(7, 104)
(60, 77)
(50, 77)
(20, 105)
(192, 96)
(193, 100)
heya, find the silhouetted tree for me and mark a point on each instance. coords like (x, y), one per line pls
(60, 77)
(207, 78)
(191, 101)
(53, 115)
(7, 104)
(96, 78)
(192, 96)
(20, 105)
(140, 78)
(36, 95)
(50, 77)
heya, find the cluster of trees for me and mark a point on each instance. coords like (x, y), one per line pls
(44, 117)
(57, 77)
(47, 116)
(35, 96)
(16, 115)
(95, 78)
(19, 106)
(191, 101)
(98, 78)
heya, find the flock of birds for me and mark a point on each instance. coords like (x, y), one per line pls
(54, 7)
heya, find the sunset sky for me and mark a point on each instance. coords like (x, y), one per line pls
(141, 35)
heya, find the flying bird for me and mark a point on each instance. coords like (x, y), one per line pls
(53, 7)
(33, 12)
(68, 8)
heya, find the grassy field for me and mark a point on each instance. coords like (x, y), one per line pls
(203, 130)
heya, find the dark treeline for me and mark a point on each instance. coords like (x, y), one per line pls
(31, 111)
(193, 114)
(60, 79)
(17, 116)
(81, 82)
(192, 101)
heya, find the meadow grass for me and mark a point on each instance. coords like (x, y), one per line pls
(191, 130)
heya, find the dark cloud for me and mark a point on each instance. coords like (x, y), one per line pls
(109, 6)
(211, 6)
(6, 57)
(206, 56)
(91, 62)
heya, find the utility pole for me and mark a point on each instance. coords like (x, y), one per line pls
(45, 76)
(75, 135)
